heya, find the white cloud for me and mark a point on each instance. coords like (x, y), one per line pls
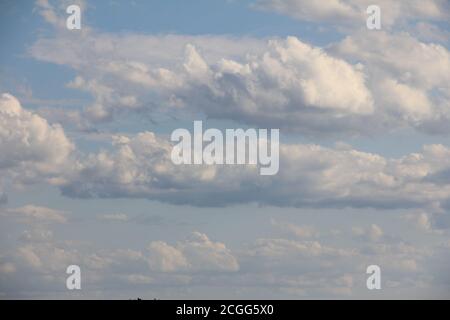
(26, 137)
(286, 83)
(353, 12)
(166, 258)
(394, 80)
(32, 149)
(310, 176)
(367, 82)
(370, 82)
(399, 56)
(278, 265)
(291, 79)
(409, 79)
(196, 253)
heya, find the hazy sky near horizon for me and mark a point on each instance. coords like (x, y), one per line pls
(85, 170)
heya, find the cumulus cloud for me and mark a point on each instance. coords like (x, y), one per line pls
(280, 83)
(26, 137)
(195, 254)
(166, 258)
(310, 176)
(321, 267)
(409, 79)
(41, 259)
(291, 80)
(126, 73)
(366, 83)
(331, 268)
(399, 55)
(140, 167)
(198, 253)
(32, 149)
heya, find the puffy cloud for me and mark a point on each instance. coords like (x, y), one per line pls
(408, 78)
(285, 84)
(295, 86)
(141, 166)
(205, 254)
(369, 82)
(32, 149)
(26, 137)
(197, 253)
(166, 258)
(292, 80)
(126, 73)
(42, 260)
(400, 56)
(331, 268)
(325, 267)
(309, 176)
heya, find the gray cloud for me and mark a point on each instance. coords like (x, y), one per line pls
(310, 176)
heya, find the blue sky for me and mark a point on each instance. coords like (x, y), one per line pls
(85, 117)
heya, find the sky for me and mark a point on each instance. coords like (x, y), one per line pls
(86, 176)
